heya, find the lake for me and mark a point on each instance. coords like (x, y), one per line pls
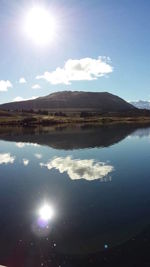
(94, 183)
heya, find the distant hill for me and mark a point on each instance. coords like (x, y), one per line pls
(141, 104)
(68, 100)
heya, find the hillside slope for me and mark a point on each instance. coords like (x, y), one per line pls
(102, 101)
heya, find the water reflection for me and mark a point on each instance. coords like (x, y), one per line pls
(38, 155)
(43, 223)
(80, 169)
(141, 133)
(22, 145)
(68, 138)
(6, 158)
(46, 212)
(25, 162)
(89, 217)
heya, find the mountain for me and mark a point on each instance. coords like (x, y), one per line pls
(141, 104)
(69, 100)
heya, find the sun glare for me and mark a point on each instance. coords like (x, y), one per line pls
(39, 25)
(46, 212)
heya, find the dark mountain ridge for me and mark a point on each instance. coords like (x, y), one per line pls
(73, 100)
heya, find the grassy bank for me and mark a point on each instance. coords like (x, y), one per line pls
(31, 119)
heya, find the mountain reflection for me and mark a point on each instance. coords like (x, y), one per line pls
(80, 169)
(89, 216)
(77, 137)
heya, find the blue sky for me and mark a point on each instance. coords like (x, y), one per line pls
(118, 29)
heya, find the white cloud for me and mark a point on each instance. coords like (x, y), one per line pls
(6, 158)
(22, 80)
(20, 98)
(38, 156)
(85, 69)
(79, 169)
(25, 162)
(36, 86)
(4, 85)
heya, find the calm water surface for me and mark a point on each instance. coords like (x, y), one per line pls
(97, 182)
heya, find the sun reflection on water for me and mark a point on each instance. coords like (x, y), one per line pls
(43, 223)
(46, 212)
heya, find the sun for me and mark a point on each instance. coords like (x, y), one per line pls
(40, 25)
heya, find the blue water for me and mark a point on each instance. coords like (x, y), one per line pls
(96, 181)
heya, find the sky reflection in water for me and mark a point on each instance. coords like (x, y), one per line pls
(88, 215)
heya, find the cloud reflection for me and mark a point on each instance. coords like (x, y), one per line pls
(25, 162)
(6, 158)
(80, 169)
(22, 145)
(38, 155)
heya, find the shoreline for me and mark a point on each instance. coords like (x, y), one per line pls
(33, 121)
